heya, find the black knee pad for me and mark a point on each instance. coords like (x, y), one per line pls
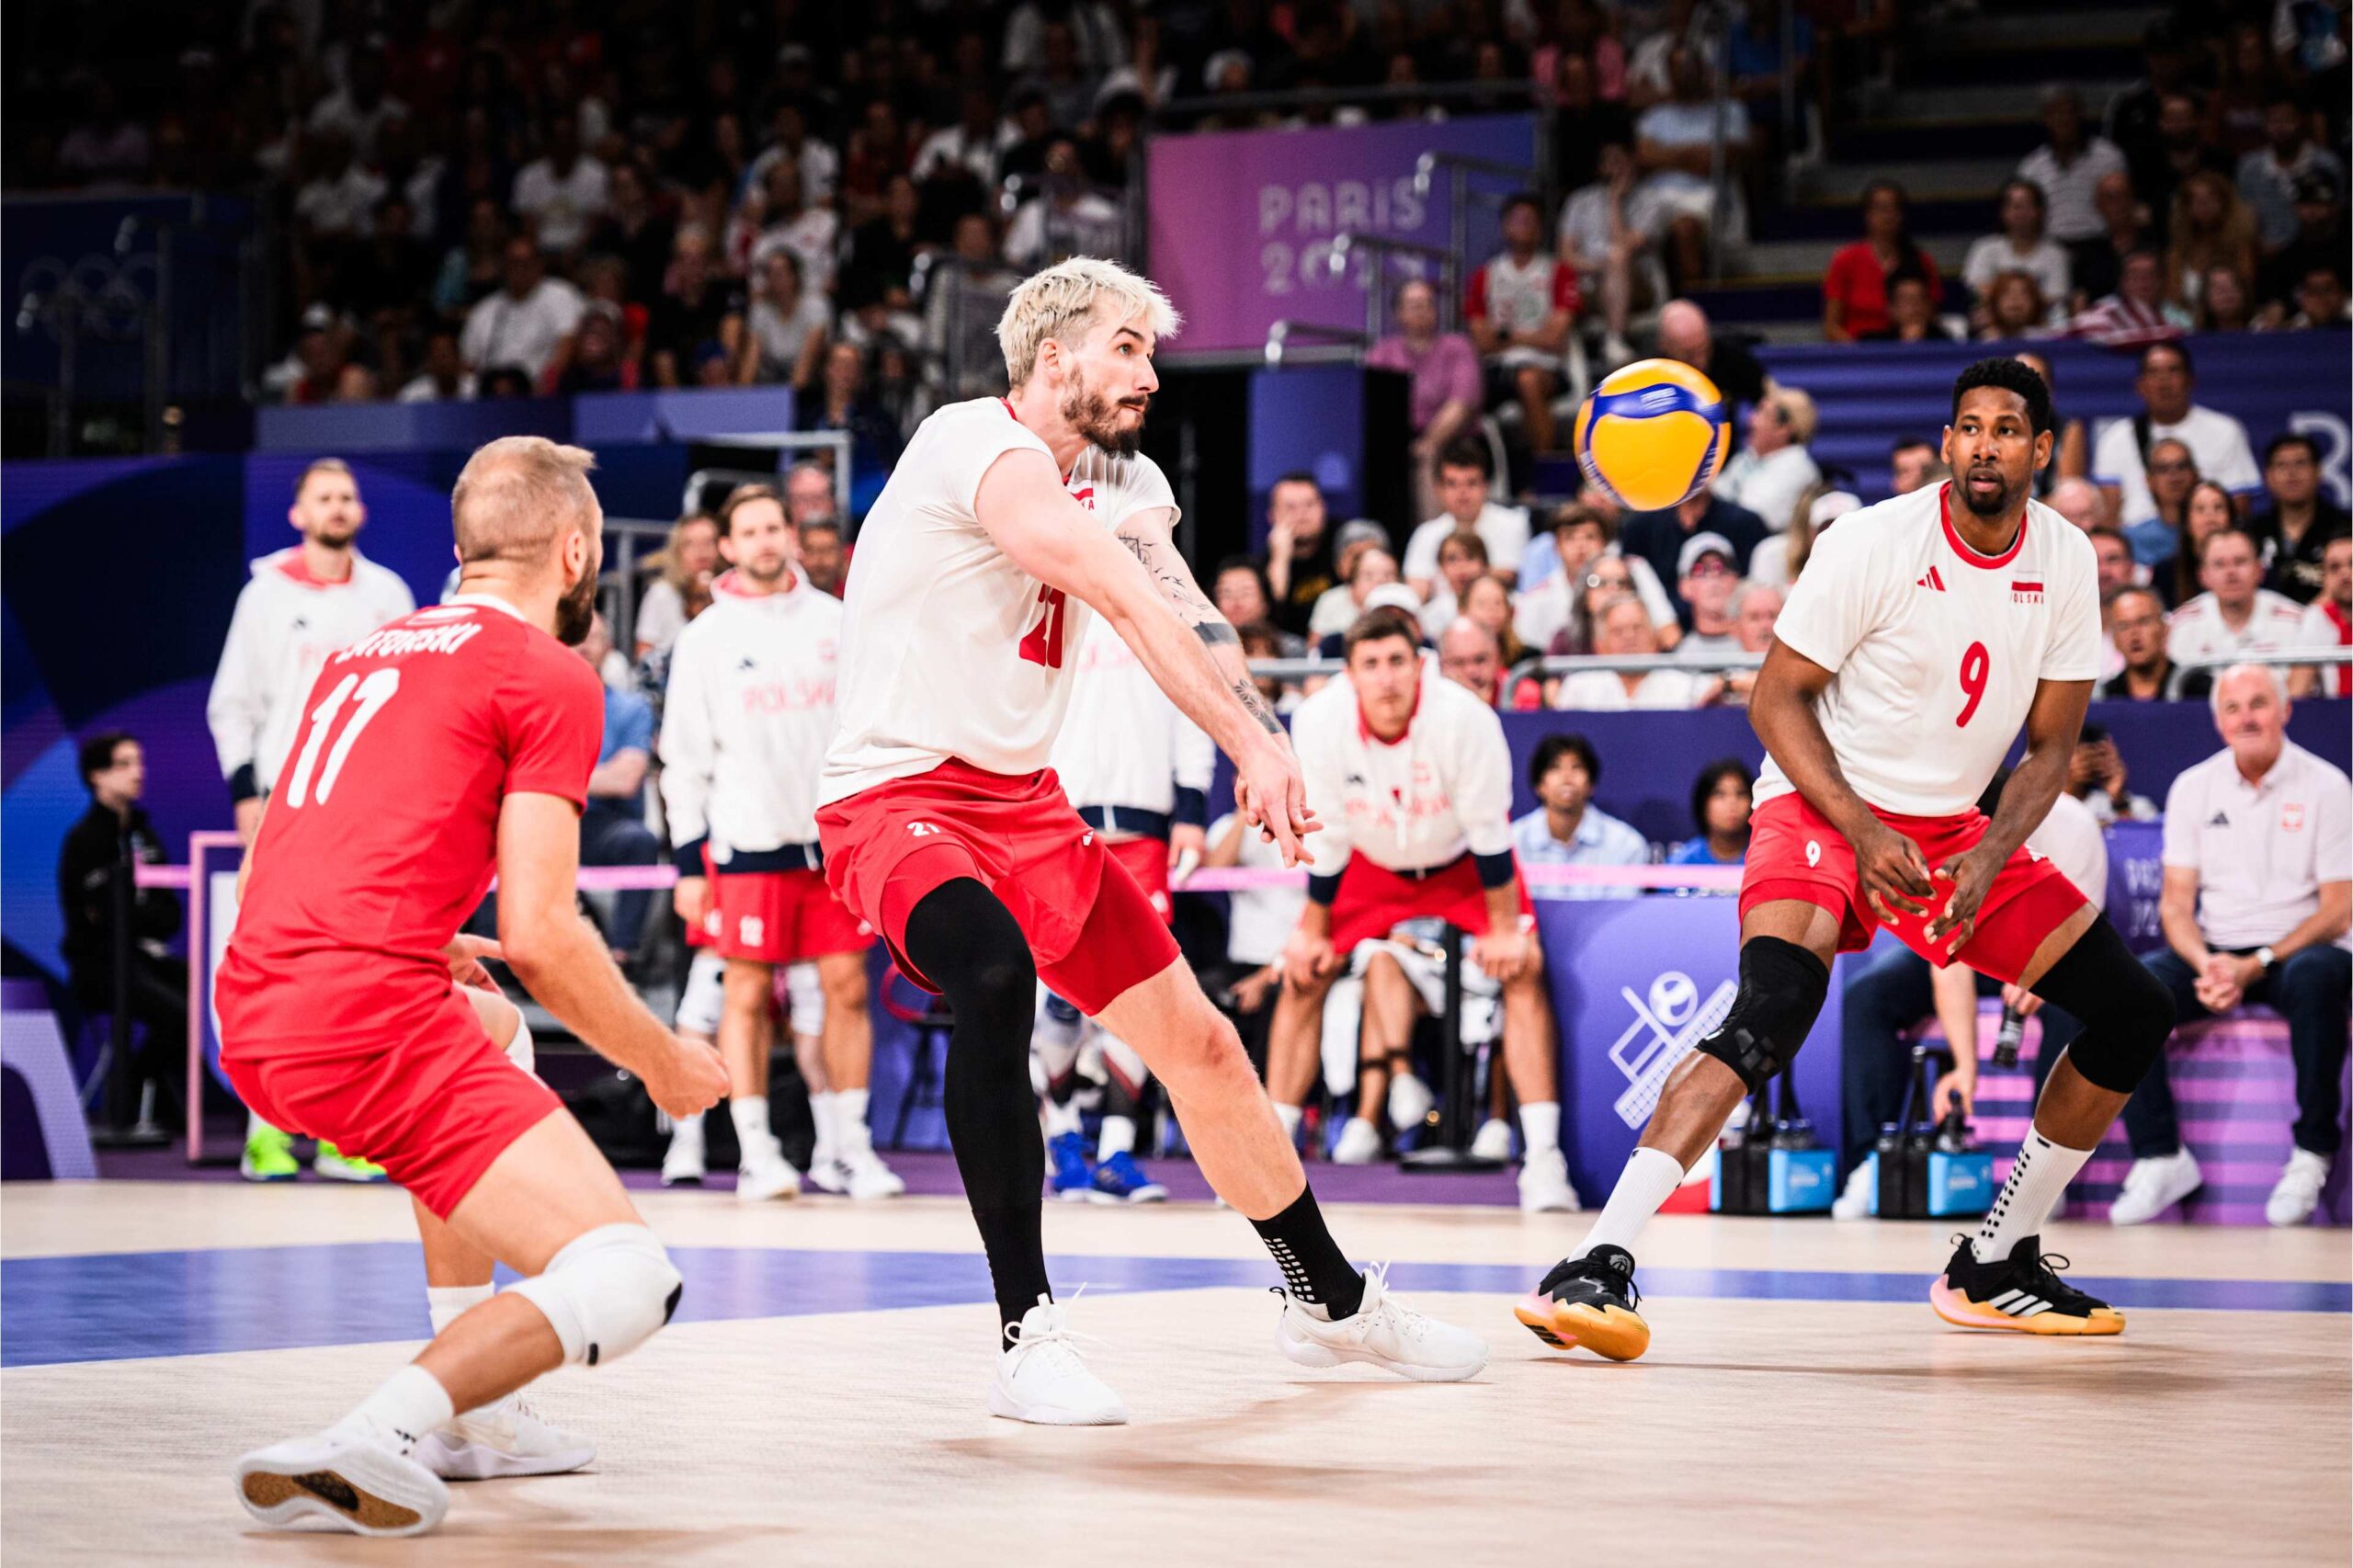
(1782, 988)
(2127, 1012)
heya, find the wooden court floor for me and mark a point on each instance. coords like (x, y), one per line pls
(820, 1399)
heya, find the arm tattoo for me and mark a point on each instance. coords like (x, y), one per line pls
(1257, 708)
(1218, 633)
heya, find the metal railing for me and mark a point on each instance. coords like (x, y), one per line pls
(1459, 168)
(1720, 663)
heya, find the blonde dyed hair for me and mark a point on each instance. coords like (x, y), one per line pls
(1067, 300)
(518, 495)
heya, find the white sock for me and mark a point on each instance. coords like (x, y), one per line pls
(1062, 1117)
(2036, 1180)
(1539, 1126)
(850, 1130)
(689, 1128)
(1289, 1116)
(403, 1408)
(1649, 1179)
(750, 1114)
(446, 1304)
(821, 1111)
(1118, 1137)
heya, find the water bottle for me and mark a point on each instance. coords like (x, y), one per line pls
(2006, 1043)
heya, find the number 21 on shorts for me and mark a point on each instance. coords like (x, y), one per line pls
(1975, 663)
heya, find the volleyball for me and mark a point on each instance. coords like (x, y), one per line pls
(1653, 434)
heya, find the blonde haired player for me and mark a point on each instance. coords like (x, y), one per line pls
(1008, 524)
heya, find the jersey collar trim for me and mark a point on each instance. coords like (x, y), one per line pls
(729, 583)
(292, 566)
(487, 601)
(1960, 546)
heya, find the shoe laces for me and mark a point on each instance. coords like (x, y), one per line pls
(1589, 1266)
(1059, 1342)
(2043, 1276)
(1380, 1309)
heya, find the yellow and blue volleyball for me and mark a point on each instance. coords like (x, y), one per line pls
(1653, 434)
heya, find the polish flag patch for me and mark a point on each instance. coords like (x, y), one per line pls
(2026, 591)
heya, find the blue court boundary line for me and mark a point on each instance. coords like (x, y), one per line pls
(121, 1306)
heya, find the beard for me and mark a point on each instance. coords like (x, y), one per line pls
(2004, 503)
(576, 612)
(1095, 417)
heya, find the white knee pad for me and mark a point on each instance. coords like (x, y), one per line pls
(804, 999)
(703, 996)
(1122, 1059)
(606, 1293)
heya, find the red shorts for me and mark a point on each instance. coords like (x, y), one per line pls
(780, 917)
(1147, 860)
(434, 1104)
(1793, 852)
(1092, 931)
(1373, 901)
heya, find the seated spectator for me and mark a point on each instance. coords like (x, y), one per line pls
(1550, 616)
(1261, 641)
(1719, 804)
(1854, 291)
(2328, 622)
(2269, 176)
(824, 559)
(1773, 468)
(2097, 778)
(2179, 149)
(697, 316)
(2081, 503)
(1487, 605)
(964, 293)
(1300, 566)
(2012, 309)
(2096, 264)
(2071, 448)
(2113, 568)
(2319, 243)
(1566, 828)
(1239, 590)
(2233, 615)
(2135, 620)
(1684, 334)
(1370, 568)
(1066, 219)
(1657, 537)
(2138, 315)
(1605, 228)
(2295, 528)
(2022, 245)
(2068, 167)
(2206, 511)
(564, 192)
(115, 830)
(522, 324)
(775, 212)
(2156, 539)
(1912, 462)
(1674, 147)
(1519, 308)
(1469, 655)
(842, 401)
(809, 497)
(1465, 472)
(2225, 302)
(2210, 228)
(682, 590)
(1780, 559)
(786, 328)
(2320, 300)
(612, 825)
(1446, 393)
(1461, 561)
(1707, 583)
(2257, 843)
(2216, 441)
(1754, 607)
(634, 229)
(1911, 311)
(444, 378)
(1622, 628)
(599, 361)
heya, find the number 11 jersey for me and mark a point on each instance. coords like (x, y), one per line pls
(1936, 650)
(381, 833)
(948, 649)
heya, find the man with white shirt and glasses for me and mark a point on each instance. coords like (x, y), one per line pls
(2216, 441)
(2258, 850)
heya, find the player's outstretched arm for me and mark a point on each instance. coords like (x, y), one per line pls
(2052, 726)
(1146, 535)
(560, 959)
(1022, 506)
(1893, 873)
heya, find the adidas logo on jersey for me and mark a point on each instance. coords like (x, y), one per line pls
(1933, 580)
(2220, 819)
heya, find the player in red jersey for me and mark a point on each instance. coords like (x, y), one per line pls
(1926, 631)
(435, 751)
(1007, 525)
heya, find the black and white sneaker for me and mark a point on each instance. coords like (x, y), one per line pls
(2022, 1293)
(1589, 1301)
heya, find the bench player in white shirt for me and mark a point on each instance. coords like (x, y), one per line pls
(1008, 523)
(1139, 772)
(1926, 631)
(303, 604)
(749, 710)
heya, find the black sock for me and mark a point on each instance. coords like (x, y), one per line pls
(1314, 1269)
(970, 945)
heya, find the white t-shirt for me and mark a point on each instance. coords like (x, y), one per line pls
(1124, 743)
(563, 208)
(2070, 839)
(2069, 211)
(1768, 486)
(503, 330)
(948, 649)
(344, 204)
(2261, 851)
(2047, 263)
(2319, 629)
(1604, 692)
(1503, 530)
(1258, 921)
(2197, 629)
(1443, 787)
(1584, 220)
(1936, 650)
(2216, 441)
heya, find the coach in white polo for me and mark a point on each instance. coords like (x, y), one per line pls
(2258, 890)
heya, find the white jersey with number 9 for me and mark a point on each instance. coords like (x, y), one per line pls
(948, 649)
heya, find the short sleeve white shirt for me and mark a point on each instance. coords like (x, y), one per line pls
(1442, 789)
(2261, 851)
(2318, 628)
(1604, 692)
(1936, 650)
(1503, 530)
(948, 649)
(2197, 630)
(2216, 441)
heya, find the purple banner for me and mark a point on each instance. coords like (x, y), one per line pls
(1242, 222)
